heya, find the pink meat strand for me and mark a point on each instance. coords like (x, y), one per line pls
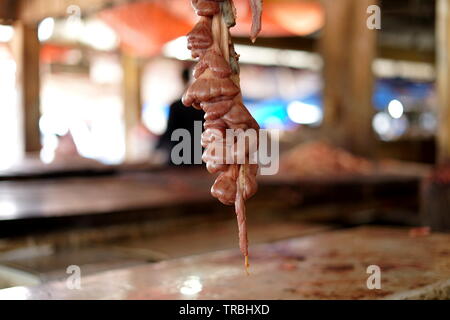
(216, 90)
(256, 6)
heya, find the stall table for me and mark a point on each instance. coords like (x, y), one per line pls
(329, 265)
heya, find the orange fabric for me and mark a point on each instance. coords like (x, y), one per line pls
(53, 53)
(300, 18)
(144, 27)
(280, 17)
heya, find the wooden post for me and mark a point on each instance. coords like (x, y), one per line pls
(435, 193)
(26, 49)
(443, 79)
(348, 48)
(132, 101)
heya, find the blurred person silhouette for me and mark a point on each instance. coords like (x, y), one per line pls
(181, 117)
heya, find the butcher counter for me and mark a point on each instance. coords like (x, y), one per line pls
(326, 265)
(159, 231)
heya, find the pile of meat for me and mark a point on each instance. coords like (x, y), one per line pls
(323, 159)
(216, 90)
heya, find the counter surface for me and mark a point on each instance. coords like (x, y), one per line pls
(103, 194)
(329, 265)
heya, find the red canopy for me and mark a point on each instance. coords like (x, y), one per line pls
(144, 27)
(53, 53)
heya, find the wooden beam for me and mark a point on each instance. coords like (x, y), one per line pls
(443, 79)
(8, 11)
(406, 55)
(36, 10)
(292, 43)
(132, 74)
(26, 49)
(32, 11)
(348, 48)
(311, 45)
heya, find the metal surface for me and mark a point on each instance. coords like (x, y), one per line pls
(331, 265)
(78, 196)
(51, 261)
(75, 196)
(10, 277)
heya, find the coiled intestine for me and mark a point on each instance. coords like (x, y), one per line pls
(216, 90)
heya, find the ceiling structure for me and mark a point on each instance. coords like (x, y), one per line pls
(8, 11)
(408, 26)
(145, 27)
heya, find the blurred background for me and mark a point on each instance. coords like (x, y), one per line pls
(85, 93)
